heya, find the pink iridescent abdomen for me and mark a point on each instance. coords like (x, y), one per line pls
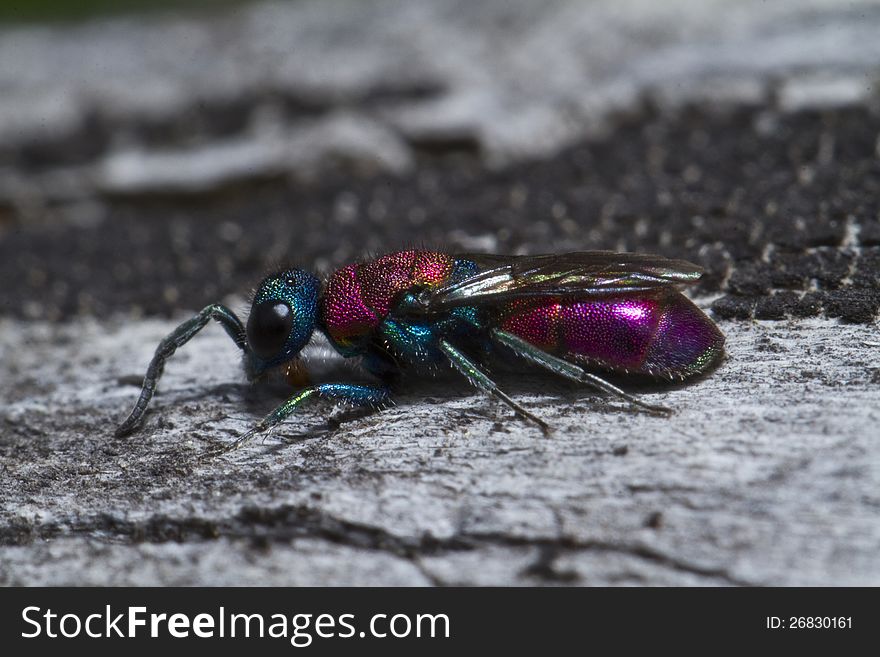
(658, 335)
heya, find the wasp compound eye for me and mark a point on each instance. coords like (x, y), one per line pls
(268, 328)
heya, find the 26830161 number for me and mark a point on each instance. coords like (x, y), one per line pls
(819, 622)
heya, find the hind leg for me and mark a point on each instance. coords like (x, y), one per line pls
(569, 371)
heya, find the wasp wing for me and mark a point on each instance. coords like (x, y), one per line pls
(583, 273)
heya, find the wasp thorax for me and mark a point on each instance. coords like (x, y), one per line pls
(268, 328)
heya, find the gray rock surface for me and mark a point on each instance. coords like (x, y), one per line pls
(767, 474)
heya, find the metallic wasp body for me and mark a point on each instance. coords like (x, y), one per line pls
(415, 310)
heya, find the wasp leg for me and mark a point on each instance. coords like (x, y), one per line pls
(355, 395)
(481, 380)
(570, 371)
(177, 338)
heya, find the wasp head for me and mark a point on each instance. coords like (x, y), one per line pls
(282, 319)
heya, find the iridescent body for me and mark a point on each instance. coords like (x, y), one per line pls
(416, 310)
(664, 336)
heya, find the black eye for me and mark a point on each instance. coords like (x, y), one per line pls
(268, 327)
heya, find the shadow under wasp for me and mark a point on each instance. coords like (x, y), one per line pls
(415, 310)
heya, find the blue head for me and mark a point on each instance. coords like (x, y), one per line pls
(282, 319)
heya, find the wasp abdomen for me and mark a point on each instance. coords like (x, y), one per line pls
(661, 335)
(685, 342)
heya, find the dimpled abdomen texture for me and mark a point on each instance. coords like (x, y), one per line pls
(661, 335)
(685, 343)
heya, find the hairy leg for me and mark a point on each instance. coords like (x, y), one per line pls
(569, 370)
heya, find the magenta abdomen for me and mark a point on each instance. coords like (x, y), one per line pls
(663, 335)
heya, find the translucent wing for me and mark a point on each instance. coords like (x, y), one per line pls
(583, 273)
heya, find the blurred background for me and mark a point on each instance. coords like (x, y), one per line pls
(160, 155)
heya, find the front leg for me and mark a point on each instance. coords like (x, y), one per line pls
(356, 395)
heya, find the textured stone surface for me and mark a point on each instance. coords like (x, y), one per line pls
(150, 166)
(767, 473)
